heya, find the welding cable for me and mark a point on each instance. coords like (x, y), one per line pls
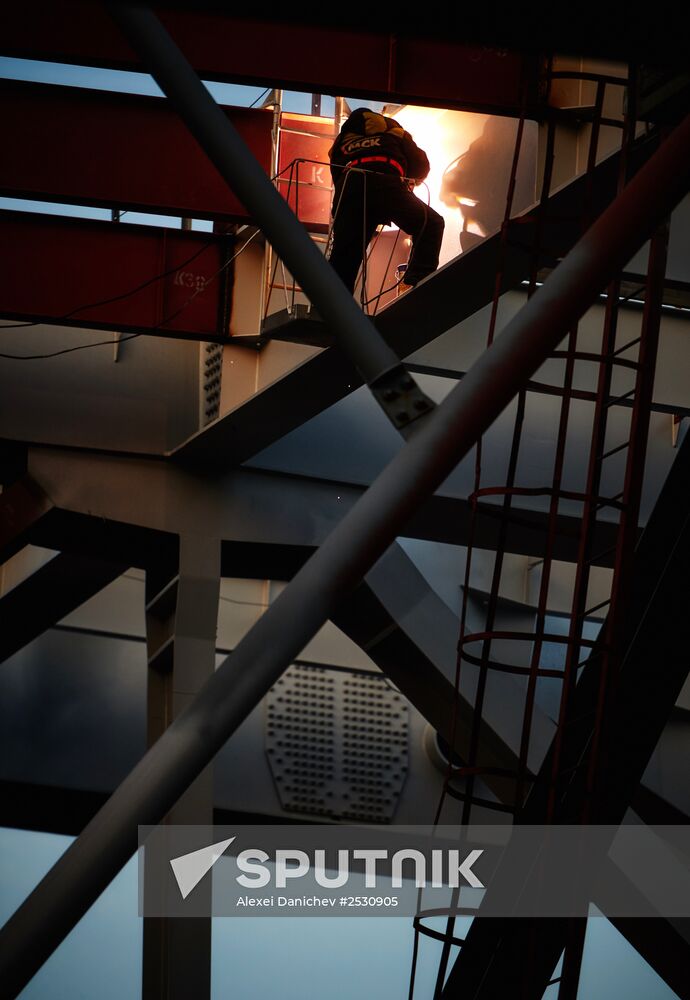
(169, 319)
(292, 166)
(399, 281)
(68, 350)
(362, 271)
(334, 214)
(365, 261)
(382, 290)
(361, 274)
(336, 208)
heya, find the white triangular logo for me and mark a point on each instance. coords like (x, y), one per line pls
(189, 869)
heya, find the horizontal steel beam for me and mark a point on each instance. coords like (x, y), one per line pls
(253, 507)
(101, 275)
(591, 34)
(56, 809)
(96, 147)
(399, 68)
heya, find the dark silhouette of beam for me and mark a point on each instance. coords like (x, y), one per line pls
(49, 594)
(23, 505)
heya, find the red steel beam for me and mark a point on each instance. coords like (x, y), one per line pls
(93, 147)
(77, 272)
(313, 58)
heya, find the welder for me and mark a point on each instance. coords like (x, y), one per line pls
(375, 165)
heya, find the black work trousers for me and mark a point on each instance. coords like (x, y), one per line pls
(362, 201)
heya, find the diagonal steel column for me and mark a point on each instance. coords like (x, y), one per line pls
(663, 944)
(22, 506)
(374, 359)
(187, 746)
(49, 594)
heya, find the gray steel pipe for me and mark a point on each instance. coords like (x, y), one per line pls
(234, 161)
(169, 767)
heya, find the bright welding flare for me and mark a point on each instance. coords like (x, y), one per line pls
(444, 135)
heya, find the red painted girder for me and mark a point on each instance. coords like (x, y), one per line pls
(54, 267)
(93, 147)
(323, 59)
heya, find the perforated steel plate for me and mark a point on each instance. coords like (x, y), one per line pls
(337, 743)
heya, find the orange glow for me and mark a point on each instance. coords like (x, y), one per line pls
(444, 136)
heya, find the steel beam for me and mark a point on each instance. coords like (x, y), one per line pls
(103, 276)
(654, 808)
(54, 809)
(663, 944)
(23, 505)
(408, 631)
(181, 625)
(82, 534)
(96, 510)
(400, 68)
(48, 595)
(92, 133)
(193, 739)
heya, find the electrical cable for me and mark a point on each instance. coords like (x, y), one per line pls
(382, 290)
(132, 336)
(68, 350)
(392, 287)
(169, 319)
(221, 597)
(115, 298)
(266, 92)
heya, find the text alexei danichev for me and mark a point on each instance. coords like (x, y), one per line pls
(269, 901)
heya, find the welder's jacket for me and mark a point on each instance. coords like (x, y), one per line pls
(376, 142)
